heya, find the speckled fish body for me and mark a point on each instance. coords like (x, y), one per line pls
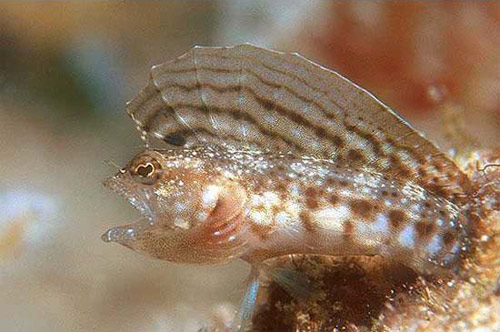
(273, 155)
(257, 205)
(307, 205)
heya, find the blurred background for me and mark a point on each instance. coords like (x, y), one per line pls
(66, 72)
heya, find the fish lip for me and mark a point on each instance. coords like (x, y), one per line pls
(118, 186)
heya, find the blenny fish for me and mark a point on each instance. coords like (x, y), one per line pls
(270, 154)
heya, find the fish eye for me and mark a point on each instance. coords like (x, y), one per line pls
(145, 170)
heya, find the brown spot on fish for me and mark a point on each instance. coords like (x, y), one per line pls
(320, 132)
(424, 229)
(330, 181)
(355, 156)
(307, 221)
(338, 141)
(422, 171)
(449, 238)
(312, 198)
(333, 199)
(404, 172)
(282, 190)
(397, 218)
(362, 208)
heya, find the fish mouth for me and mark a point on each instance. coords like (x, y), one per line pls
(126, 233)
(130, 194)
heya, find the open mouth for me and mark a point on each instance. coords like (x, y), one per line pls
(125, 234)
(119, 187)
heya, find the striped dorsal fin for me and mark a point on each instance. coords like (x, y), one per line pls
(246, 96)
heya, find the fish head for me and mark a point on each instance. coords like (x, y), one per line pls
(192, 212)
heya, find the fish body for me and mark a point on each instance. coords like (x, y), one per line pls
(212, 205)
(270, 154)
(305, 205)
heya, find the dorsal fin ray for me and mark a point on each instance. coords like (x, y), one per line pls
(246, 96)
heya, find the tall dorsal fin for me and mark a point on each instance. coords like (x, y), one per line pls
(248, 96)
